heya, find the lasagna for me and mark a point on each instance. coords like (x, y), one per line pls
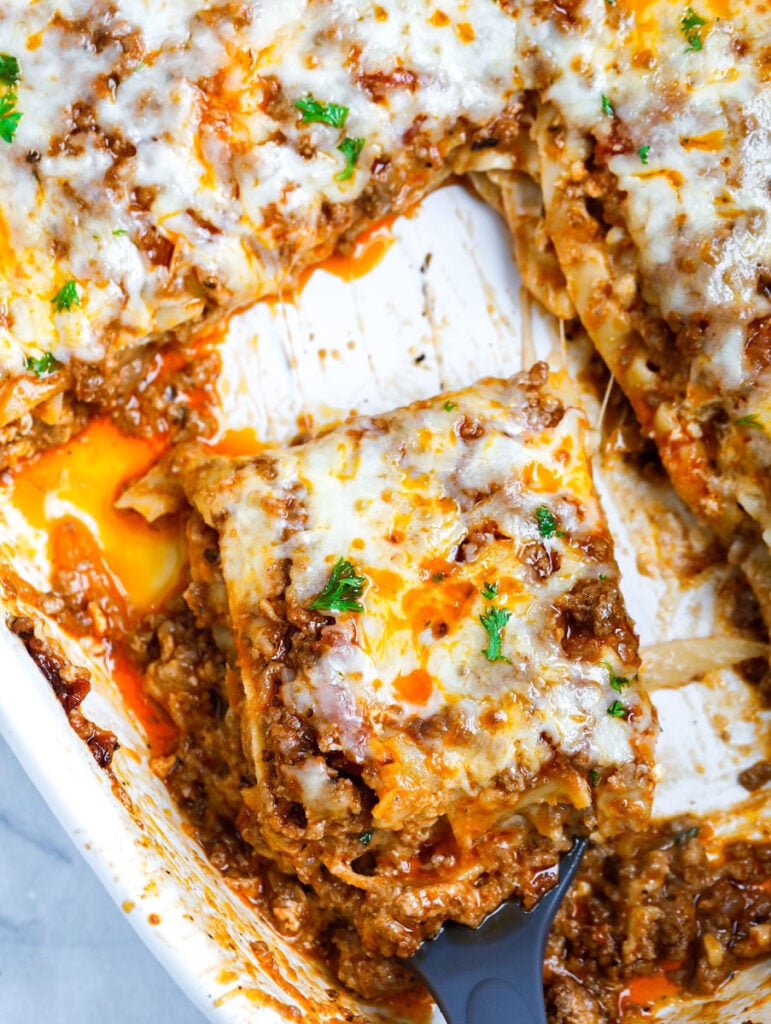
(165, 163)
(439, 676)
(639, 200)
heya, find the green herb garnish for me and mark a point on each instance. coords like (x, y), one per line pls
(691, 25)
(43, 366)
(317, 111)
(607, 107)
(751, 420)
(682, 837)
(494, 621)
(594, 777)
(547, 524)
(120, 232)
(438, 577)
(643, 152)
(366, 837)
(618, 682)
(617, 709)
(10, 72)
(66, 297)
(449, 406)
(343, 590)
(489, 591)
(9, 117)
(351, 149)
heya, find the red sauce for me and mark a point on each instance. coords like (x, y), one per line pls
(650, 988)
(116, 565)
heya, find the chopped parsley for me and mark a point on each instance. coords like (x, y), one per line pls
(691, 25)
(547, 524)
(120, 232)
(366, 837)
(10, 72)
(438, 577)
(494, 622)
(618, 682)
(9, 117)
(317, 111)
(681, 838)
(43, 366)
(751, 420)
(343, 590)
(449, 406)
(607, 107)
(594, 777)
(602, 576)
(617, 709)
(66, 297)
(643, 152)
(489, 591)
(351, 150)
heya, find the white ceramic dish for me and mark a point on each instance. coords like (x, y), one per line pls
(411, 327)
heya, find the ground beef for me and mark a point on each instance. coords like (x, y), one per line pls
(158, 391)
(640, 900)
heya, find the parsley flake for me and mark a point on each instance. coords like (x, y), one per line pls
(607, 107)
(494, 622)
(618, 682)
(366, 837)
(317, 111)
(643, 152)
(489, 591)
(120, 232)
(10, 72)
(449, 406)
(9, 117)
(351, 150)
(438, 577)
(691, 25)
(617, 709)
(751, 420)
(42, 366)
(594, 777)
(343, 590)
(547, 524)
(681, 838)
(66, 297)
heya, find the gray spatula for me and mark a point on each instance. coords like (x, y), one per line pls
(493, 974)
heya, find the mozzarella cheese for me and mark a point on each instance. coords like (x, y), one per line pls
(454, 512)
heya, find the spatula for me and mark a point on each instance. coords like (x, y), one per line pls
(493, 974)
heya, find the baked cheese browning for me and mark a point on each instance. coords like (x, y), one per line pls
(439, 673)
(650, 192)
(171, 160)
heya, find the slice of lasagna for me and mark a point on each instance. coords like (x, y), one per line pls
(162, 164)
(639, 199)
(439, 674)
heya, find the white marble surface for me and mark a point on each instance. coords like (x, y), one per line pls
(67, 953)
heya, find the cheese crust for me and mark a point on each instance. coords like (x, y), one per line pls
(405, 724)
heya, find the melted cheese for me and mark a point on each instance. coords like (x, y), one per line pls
(698, 209)
(429, 505)
(161, 164)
